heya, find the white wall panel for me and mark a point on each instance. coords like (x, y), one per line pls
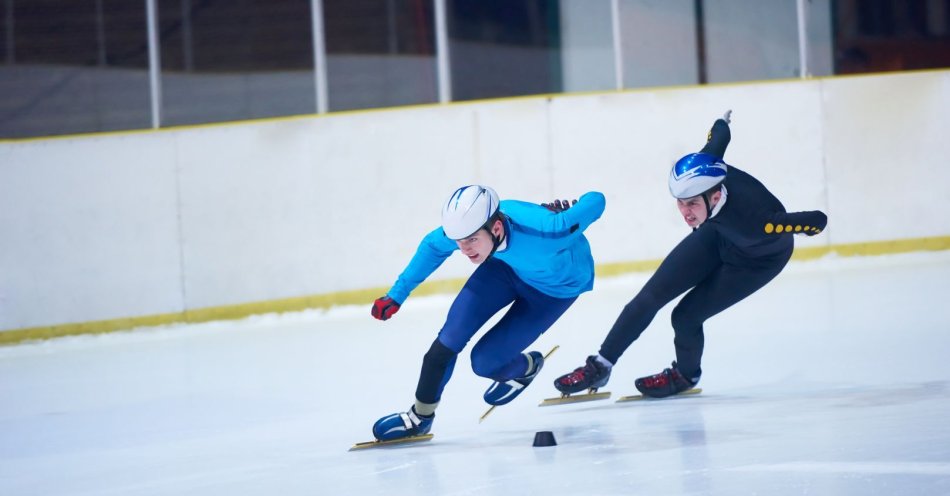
(88, 230)
(513, 148)
(385, 175)
(886, 143)
(246, 192)
(136, 224)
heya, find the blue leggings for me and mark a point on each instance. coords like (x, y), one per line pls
(498, 354)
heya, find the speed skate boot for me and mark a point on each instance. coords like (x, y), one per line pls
(500, 393)
(592, 375)
(666, 383)
(402, 425)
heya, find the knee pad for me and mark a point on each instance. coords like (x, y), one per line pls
(438, 354)
(437, 366)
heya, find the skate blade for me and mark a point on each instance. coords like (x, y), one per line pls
(638, 397)
(377, 443)
(577, 398)
(492, 409)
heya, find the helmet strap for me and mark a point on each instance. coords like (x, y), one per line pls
(706, 196)
(708, 207)
(496, 240)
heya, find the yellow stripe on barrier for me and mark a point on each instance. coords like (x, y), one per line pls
(366, 296)
(226, 312)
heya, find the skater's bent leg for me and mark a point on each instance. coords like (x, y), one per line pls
(726, 287)
(691, 261)
(486, 292)
(498, 355)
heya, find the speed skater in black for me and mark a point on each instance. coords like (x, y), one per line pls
(741, 240)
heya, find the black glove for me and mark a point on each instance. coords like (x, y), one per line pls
(384, 308)
(558, 205)
(818, 221)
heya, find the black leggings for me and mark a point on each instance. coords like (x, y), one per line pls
(696, 262)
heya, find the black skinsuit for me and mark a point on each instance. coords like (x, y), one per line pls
(727, 258)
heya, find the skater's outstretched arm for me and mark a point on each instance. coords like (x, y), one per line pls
(432, 251)
(558, 228)
(809, 223)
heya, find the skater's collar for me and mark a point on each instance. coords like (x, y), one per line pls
(720, 203)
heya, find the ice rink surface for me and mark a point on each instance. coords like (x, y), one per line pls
(833, 380)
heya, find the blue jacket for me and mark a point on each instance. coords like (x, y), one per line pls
(546, 250)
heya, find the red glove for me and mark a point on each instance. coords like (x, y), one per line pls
(558, 205)
(384, 308)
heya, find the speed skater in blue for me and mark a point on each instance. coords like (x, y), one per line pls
(742, 238)
(530, 256)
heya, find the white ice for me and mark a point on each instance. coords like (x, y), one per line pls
(833, 380)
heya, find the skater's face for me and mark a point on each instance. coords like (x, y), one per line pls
(478, 246)
(693, 209)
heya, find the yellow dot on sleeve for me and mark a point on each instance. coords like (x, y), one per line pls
(779, 228)
(788, 228)
(808, 228)
(769, 228)
(798, 228)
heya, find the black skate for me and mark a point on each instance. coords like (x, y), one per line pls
(592, 375)
(666, 383)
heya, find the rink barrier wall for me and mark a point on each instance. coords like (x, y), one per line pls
(443, 286)
(120, 230)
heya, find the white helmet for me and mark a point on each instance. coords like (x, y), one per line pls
(468, 210)
(695, 174)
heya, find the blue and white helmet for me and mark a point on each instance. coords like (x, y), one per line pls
(696, 173)
(468, 210)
